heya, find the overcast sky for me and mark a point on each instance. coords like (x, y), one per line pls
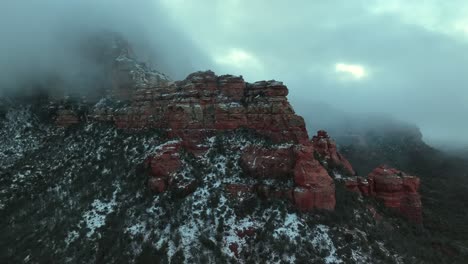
(407, 58)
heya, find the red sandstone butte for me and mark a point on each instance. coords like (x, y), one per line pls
(395, 188)
(204, 103)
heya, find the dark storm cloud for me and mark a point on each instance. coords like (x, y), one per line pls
(42, 37)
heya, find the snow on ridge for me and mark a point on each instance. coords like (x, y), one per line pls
(96, 217)
(322, 241)
(289, 228)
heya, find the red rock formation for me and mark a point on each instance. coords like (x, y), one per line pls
(396, 189)
(326, 148)
(201, 105)
(162, 166)
(314, 187)
(204, 103)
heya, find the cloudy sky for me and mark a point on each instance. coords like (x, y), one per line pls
(403, 57)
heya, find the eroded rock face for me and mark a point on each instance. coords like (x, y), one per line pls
(204, 103)
(395, 188)
(162, 166)
(326, 148)
(313, 186)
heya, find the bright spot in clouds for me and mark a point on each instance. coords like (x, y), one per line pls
(238, 58)
(462, 26)
(354, 70)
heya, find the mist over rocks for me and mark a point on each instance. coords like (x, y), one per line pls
(53, 43)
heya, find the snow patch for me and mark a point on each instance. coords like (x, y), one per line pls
(290, 227)
(96, 217)
(322, 241)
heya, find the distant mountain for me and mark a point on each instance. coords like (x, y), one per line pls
(370, 141)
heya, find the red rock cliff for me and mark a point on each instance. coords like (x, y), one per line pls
(313, 186)
(204, 103)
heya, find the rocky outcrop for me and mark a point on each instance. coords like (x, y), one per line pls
(162, 166)
(204, 103)
(313, 186)
(327, 152)
(395, 188)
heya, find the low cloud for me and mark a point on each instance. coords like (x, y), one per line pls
(47, 38)
(403, 58)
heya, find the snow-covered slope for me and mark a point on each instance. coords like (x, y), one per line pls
(78, 195)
